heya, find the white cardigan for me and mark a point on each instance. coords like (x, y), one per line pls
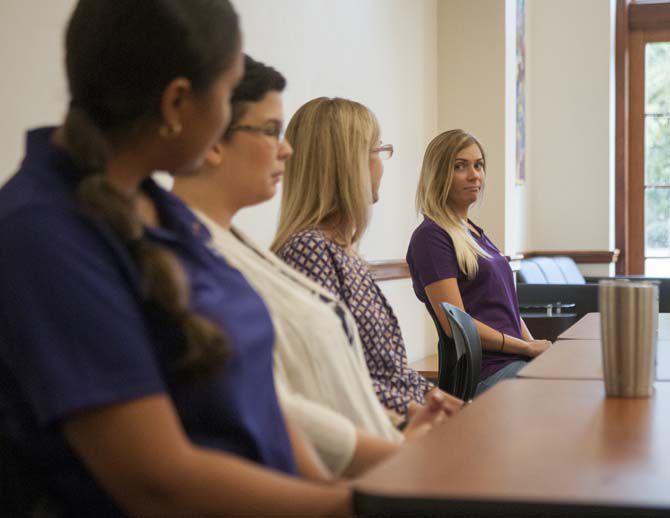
(315, 365)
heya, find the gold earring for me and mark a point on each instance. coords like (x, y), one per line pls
(169, 131)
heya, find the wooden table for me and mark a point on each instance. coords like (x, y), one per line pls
(588, 367)
(582, 359)
(533, 448)
(428, 367)
(588, 328)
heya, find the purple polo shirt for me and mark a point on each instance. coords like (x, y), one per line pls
(75, 334)
(490, 297)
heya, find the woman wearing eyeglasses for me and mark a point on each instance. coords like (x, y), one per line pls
(452, 260)
(320, 373)
(331, 181)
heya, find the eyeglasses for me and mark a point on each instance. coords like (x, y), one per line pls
(271, 130)
(385, 152)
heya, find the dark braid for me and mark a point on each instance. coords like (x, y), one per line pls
(121, 54)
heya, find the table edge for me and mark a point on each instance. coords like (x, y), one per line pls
(367, 504)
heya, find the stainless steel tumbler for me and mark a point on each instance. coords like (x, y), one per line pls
(628, 335)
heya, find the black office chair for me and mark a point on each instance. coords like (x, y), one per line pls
(459, 356)
(544, 281)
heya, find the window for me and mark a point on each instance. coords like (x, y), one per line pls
(643, 137)
(657, 159)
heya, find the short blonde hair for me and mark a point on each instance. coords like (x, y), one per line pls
(437, 173)
(327, 180)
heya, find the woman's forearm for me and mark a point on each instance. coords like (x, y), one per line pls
(370, 450)
(495, 341)
(141, 456)
(213, 484)
(525, 332)
(491, 339)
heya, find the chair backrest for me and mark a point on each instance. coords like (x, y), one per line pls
(531, 273)
(569, 269)
(550, 270)
(459, 356)
(464, 331)
(447, 357)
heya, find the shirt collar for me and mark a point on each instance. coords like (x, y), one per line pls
(40, 150)
(478, 229)
(178, 221)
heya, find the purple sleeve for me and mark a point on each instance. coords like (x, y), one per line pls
(309, 255)
(432, 256)
(71, 330)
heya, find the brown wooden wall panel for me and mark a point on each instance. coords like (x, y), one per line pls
(393, 269)
(622, 78)
(644, 16)
(635, 191)
(389, 270)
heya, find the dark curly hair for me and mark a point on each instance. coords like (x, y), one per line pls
(258, 80)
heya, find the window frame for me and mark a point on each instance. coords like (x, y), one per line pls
(637, 23)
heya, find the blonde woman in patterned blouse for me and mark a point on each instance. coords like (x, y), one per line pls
(331, 181)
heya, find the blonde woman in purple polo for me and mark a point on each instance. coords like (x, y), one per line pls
(452, 260)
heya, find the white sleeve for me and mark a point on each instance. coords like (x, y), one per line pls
(332, 435)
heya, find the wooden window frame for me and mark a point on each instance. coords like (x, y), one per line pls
(637, 23)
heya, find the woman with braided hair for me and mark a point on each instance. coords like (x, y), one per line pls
(136, 364)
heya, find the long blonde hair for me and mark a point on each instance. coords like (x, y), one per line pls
(327, 180)
(437, 173)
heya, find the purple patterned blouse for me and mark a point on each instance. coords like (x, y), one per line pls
(348, 278)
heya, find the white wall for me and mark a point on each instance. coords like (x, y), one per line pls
(566, 201)
(471, 86)
(378, 52)
(570, 167)
(382, 53)
(477, 93)
(32, 84)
